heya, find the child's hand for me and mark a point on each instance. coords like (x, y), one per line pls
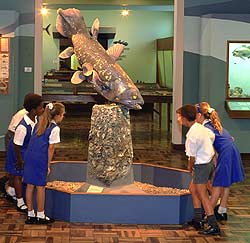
(48, 170)
(19, 165)
(190, 168)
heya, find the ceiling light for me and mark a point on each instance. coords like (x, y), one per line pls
(44, 11)
(125, 12)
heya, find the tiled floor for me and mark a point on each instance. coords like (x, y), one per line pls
(151, 145)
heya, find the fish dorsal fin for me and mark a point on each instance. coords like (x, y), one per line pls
(77, 77)
(115, 51)
(87, 69)
(95, 28)
(68, 52)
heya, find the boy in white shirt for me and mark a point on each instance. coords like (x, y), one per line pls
(9, 186)
(200, 152)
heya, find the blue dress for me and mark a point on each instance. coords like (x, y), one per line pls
(11, 160)
(36, 158)
(229, 168)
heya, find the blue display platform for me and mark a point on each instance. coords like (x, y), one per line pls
(120, 208)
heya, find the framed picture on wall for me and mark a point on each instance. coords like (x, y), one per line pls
(4, 65)
(238, 79)
(238, 63)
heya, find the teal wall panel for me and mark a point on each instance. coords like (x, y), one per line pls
(21, 55)
(23, 6)
(26, 59)
(190, 77)
(205, 40)
(212, 88)
(205, 80)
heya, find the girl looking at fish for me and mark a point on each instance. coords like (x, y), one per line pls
(37, 160)
(228, 168)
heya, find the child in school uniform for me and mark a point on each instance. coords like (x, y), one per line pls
(37, 160)
(228, 168)
(200, 152)
(9, 185)
(17, 146)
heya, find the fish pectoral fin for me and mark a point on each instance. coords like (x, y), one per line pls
(87, 69)
(95, 28)
(115, 51)
(95, 78)
(68, 52)
(77, 77)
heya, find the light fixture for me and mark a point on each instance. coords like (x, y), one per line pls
(44, 11)
(125, 12)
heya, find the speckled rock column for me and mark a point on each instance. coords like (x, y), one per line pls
(110, 154)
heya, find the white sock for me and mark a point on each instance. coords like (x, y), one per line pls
(222, 210)
(20, 202)
(11, 191)
(31, 213)
(40, 214)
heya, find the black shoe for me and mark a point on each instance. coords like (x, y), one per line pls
(198, 225)
(219, 216)
(23, 208)
(31, 220)
(10, 198)
(210, 231)
(45, 220)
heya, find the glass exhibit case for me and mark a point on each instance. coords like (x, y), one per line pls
(238, 79)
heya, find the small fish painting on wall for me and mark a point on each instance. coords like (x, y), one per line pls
(238, 76)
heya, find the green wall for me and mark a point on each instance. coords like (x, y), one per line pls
(21, 55)
(139, 29)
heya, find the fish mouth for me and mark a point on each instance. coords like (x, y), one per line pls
(133, 106)
(137, 107)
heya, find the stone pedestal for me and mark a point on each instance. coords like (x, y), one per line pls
(110, 153)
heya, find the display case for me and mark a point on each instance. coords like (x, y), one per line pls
(237, 102)
(4, 65)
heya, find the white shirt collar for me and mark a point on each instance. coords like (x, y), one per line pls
(28, 120)
(205, 121)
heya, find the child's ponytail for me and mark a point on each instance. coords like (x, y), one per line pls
(210, 113)
(50, 111)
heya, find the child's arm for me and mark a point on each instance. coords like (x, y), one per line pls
(19, 164)
(191, 161)
(51, 151)
(18, 141)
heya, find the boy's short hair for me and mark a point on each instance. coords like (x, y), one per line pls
(32, 101)
(188, 111)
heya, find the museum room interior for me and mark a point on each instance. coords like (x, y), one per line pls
(174, 52)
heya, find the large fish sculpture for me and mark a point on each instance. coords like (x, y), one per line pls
(99, 66)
